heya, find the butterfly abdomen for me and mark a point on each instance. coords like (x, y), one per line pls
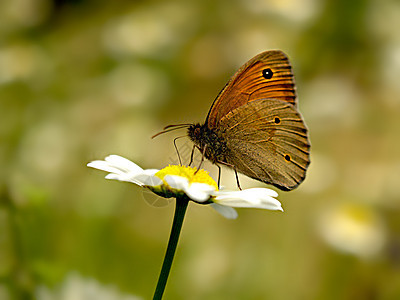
(204, 137)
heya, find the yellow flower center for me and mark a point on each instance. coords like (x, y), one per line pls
(192, 174)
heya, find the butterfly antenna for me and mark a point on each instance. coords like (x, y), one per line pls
(177, 125)
(171, 128)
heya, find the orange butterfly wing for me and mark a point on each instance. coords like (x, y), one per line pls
(267, 75)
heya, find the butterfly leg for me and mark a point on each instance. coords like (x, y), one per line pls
(202, 158)
(177, 152)
(234, 169)
(237, 179)
(219, 176)
(191, 155)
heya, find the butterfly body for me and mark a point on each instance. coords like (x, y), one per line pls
(254, 126)
(209, 141)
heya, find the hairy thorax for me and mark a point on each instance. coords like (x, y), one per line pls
(208, 139)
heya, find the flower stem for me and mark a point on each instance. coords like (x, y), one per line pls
(180, 210)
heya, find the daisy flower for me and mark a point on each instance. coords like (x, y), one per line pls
(180, 181)
(185, 184)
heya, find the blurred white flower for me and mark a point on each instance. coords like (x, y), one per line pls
(153, 30)
(197, 185)
(354, 229)
(75, 287)
(22, 61)
(299, 11)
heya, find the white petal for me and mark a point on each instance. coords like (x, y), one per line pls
(151, 172)
(104, 166)
(196, 191)
(114, 176)
(123, 169)
(177, 182)
(226, 211)
(147, 178)
(126, 177)
(253, 193)
(123, 164)
(116, 164)
(253, 198)
(199, 191)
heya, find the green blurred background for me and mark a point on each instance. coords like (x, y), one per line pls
(83, 79)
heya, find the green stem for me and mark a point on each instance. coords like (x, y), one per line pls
(180, 210)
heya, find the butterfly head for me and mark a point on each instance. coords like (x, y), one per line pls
(196, 134)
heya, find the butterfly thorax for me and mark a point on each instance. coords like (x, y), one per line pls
(206, 138)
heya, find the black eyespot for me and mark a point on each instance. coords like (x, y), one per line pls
(277, 120)
(287, 157)
(267, 73)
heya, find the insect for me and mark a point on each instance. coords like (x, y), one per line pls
(253, 125)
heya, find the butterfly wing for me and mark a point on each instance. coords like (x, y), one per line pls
(267, 75)
(267, 140)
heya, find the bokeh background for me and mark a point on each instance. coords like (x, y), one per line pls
(83, 79)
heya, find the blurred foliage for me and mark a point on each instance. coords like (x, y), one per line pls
(83, 79)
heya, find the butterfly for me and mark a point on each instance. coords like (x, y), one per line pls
(254, 126)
